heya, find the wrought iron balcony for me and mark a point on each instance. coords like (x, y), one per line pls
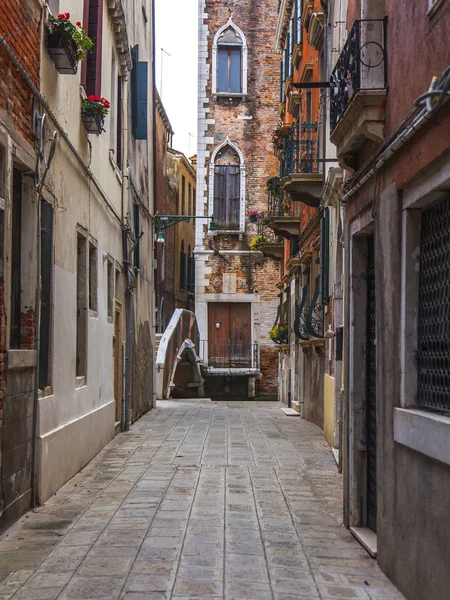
(302, 169)
(281, 217)
(358, 87)
(301, 149)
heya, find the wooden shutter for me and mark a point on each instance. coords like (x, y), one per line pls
(233, 197)
(139, 96)
(92, 72)
(220, 206)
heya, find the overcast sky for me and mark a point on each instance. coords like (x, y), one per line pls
(176, 32)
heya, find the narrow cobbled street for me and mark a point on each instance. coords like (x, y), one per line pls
(229, 500)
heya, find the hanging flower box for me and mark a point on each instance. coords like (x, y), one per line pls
(253, 216)
(66, 43)
(279, 333)
(93, 112)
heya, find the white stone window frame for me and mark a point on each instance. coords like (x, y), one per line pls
(242, 187)
(424, 431)
(244, 65)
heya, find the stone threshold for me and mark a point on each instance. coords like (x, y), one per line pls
(367, 538)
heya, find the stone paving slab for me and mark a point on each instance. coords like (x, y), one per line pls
(231, 501)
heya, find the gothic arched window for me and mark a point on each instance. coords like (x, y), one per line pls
(229, 61)
(227, 187)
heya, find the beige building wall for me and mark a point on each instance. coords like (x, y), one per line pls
(77, 414)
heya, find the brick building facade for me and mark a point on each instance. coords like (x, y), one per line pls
(236, 296)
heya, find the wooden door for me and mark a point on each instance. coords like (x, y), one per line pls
(117, 358)
(229, 334)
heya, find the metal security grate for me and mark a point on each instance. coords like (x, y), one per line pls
(434, 307)
(371, 389)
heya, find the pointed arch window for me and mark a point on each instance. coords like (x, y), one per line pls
(229, 61)
(227, 188)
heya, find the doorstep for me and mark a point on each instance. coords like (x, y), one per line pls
(367, 538)
(117, 426)
(290, 412)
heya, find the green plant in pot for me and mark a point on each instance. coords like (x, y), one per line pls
(66, 43)
(279, 333)
(257, 240)
(93, 112)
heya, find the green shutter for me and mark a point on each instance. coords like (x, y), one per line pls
(139, 97)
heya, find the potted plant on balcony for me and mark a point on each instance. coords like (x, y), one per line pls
(66, 43)
(257, 240)
(93, 112)
(253, 216)
(279, 333)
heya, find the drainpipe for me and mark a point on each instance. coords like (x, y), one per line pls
(126, 259)
(154, 208)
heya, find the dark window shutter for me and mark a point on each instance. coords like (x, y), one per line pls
(139, 97)
(233, 197)
(227, 197)
(325, 255)
(235, 86)
(137, 231)
(220, 204)
(222, 70)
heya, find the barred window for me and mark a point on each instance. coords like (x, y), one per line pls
(434, 307)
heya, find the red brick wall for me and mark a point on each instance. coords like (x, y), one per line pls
(257, 19)
(19, 25)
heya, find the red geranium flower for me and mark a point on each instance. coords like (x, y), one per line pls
(61, 17)
(67, 15)
(78, 24)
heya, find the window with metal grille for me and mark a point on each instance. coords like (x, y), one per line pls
(434, 307)
(298, 21)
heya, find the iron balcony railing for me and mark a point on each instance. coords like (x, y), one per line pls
(279, 205)
(361, 65)
(266, 232)
(301, 149)
(230, 356)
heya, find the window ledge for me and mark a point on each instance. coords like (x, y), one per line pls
(227, 232)
(424, 432)
(80, 382)
(229, 95)
(93, 313)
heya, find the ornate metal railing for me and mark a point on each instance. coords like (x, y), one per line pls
(266, 231)
(230, 356)
(361, 65)
(301, 149)
(300, 328)
(279, 205)
(314, 318)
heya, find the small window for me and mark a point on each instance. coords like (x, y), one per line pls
(16, 260)
(183, 195)
(182, 268)
(137, 233)
(189, 200)
(93, 277)
(81, 340)
(434, 283)
(92, 66)
(110, 283)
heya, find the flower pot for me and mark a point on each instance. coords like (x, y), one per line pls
(93, 123)
(253, 218)
(64, 53)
